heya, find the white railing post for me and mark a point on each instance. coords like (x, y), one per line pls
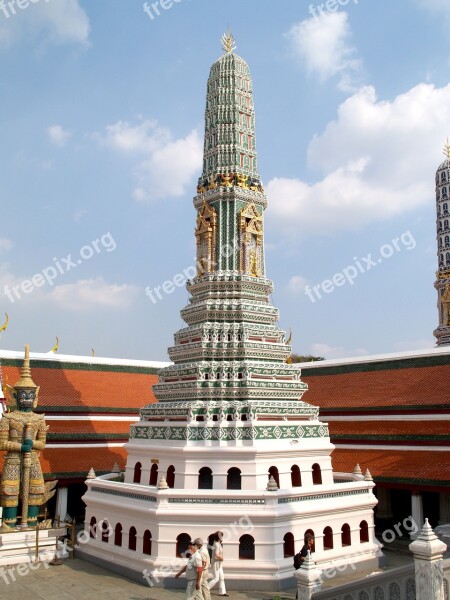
(309, 579)
(428, 553)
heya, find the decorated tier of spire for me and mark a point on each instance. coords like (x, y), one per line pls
(442, 284)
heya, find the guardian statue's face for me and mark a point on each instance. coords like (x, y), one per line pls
(25, 399)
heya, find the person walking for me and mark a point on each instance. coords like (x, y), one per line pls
(217, 564)
(206, 562)
(194, 572)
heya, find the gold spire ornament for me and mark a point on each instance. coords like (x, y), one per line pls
(5, 324)
(228, 42)
(56, 346)
(447, 150)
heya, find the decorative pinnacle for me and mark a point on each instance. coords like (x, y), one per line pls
(228, 42)
(162, 485)
(447, 150)
(272, 485)
(25, 380)
(91, 474)
(56, 346)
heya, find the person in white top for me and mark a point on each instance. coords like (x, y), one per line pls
(194, 572)
(206, 564)
(217, 564)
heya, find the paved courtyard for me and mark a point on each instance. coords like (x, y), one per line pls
(80, 580)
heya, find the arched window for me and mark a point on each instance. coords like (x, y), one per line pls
(234, 479)
(447, 256)
(296, 477)
(182, 544)
(137, 473)
(327, 538)
(147, 543)
(288, 545)
(346, 535)
(273, 472)
(171, 476)
(205, 479)
(132, 539)
(154, 475)
(447, 240)
(316, 474)
(93, 528)
(363, 532)
(310, 532)
(118, 535)
(105, 531)
(247, 547)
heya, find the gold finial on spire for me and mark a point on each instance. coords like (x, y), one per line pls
(447, 150)
(5, 324)
(25, 380)
(228, 42)
(56, 346)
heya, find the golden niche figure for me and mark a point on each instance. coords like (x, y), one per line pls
(22, 436)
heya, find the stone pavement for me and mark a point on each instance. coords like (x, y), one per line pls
(80, 580)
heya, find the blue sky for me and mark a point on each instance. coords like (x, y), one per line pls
(101, 137)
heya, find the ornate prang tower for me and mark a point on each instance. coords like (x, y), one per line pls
(230, 445)
(442, 284)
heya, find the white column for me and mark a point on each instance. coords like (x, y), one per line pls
(444, 508)
(416, 512)
(428, 563)
(61, 503)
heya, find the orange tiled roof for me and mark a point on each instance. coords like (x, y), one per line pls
(400, 466)
(396, 388)
(77, 463)
(81, 390)
(59, 428)
(386, 428)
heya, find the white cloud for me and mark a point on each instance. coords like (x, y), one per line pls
(169, 169)
(86, 294)
(5, 245)
(438, 7)
(421, 344)
(58, 135)
(297, 284)
(53, 22)
(168, 165)
(329, 352)
(377, 160)
(322, 45)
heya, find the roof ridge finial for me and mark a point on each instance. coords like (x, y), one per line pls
(447, 150)
(228, 41)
